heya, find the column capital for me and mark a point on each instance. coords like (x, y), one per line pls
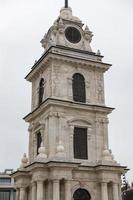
(33, 183)
(116, 183)
(102, 182)
(67, 180)
(23, 188)
(56, 180)
(40, 181)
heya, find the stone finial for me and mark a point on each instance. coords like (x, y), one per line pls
(24, 161)
(61, 26)
(98, 52)
(87, 29)
(61, 22)
(88, 34)
(60, 150)
(60, 147)
(43, 41)
(107, 155)
(66, 13)
(42, 152)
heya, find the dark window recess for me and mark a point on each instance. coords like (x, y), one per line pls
(81, 194)
(41, 90)
(39, 141)
(80, 143)
(4, 195)
(78, 86)
(5, 181)
(73, 35)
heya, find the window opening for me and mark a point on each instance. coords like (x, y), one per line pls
(80, 143)
(41, 90)
(78, 86)
(81, 194)
(39, 141)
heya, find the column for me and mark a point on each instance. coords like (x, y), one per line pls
(52, 135)
(22, 193)
(104, 191)
(50, 190)
(30, 144)
(56, 190)
(68, 190)
(60, 127)
(17, 194)
(71, 152)
(69, 88)
(119, 191)
(115, 191)
(40, 190)
(105, 127)
(33, 191)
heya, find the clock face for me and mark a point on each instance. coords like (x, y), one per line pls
(72, 34)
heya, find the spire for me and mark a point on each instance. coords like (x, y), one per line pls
(66, 3)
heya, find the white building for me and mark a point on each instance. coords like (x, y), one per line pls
(69, 156)
(7, 188)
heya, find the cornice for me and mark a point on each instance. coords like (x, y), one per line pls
(67, 55)
(50, 164)
(20, 173)
(115, 168)
(67, 104)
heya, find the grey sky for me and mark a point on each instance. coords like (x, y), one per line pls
(22, 25)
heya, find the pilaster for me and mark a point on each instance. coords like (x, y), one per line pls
(40, 195)
(33, 191)
(68, 190)
(104, 191)
(56, 190)
(22, 193)
(17, 193)
(115, 191)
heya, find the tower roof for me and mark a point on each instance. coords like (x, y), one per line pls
(69, 31)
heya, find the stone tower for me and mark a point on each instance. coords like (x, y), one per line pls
(69, 156)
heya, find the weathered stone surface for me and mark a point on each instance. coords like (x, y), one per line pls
(54, 174)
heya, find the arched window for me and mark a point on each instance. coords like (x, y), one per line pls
(80, 143)
(39, 141)
(41, 90)
(81, 194)
(78, 86)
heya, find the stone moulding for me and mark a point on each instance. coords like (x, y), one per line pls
(55, 53)
(57, 102)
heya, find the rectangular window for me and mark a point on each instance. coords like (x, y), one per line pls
(80, 143)
(4, 195)
(5, 181)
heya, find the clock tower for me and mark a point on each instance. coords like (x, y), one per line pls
(69, 156)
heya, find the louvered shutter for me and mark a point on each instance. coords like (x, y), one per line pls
(79, 93)
(39, 141)
(80, 143)
(41, 90)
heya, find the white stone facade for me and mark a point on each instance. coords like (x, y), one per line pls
(53, 173)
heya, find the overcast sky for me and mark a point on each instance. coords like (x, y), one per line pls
(22, 25)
